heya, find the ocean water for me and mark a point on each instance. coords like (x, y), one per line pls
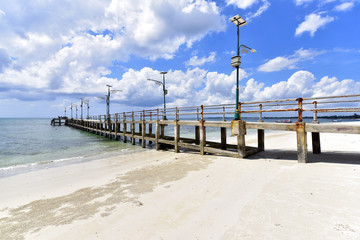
(34, 143)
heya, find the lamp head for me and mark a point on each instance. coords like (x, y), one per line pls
(238, 21)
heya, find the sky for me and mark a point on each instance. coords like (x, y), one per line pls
(54, 52)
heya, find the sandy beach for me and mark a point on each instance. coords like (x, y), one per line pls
(164, 195)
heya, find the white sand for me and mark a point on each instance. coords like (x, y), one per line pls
(163, 195)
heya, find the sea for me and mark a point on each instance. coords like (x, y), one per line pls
(33, 144)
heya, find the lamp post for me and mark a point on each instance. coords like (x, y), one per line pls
(65, 112)
(108, 101)
(88, 107)
(236, 60)
(164, 90)
(81, 105)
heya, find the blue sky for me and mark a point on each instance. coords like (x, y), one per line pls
(52, 53)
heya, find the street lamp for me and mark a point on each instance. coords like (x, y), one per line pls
(164, 90)
(108, 101)
(87, 104)
(81, 105)
(236, 60)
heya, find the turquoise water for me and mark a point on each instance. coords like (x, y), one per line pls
(31, 142)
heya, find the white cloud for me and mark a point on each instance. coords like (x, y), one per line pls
(289, 62)
(243, 4)
(301, 2)
(68, 47)
(266, 4)
(196, 61)
(346, 6)
(312, 23)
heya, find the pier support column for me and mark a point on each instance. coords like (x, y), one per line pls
(140, 132)
(223, 138)
(316, 142)
(132, 130)
(241, 139)
(261, 139)
(202, 137)
(124, 128)
(197, 135)
(143, 131)
(301, 142)
(176, 135)
(116, 126)
(157, 135)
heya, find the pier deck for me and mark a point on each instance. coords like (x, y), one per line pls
(151, 129)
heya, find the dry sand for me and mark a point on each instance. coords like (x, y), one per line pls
(163, 195)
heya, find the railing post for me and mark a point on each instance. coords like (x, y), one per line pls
(239, 110)
(176, 130)
(315, 120)
(300, 109)
(202, 132)
(224, 114)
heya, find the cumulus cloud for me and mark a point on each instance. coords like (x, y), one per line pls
(243, 4)
(302, 2)
(265, 5)
(196, 61)
(312, 23)
(4, 59)
(65, 47)
(289, 62)
(346, 6)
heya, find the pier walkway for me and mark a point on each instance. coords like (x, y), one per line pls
(148, 126)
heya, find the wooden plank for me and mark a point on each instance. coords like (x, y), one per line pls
(166, 141)
(271, 126)
(332, 128)
(217, 124)
(189, 123)
(190, 146)
(221, 152)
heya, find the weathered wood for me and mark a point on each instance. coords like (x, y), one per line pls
(332, 128)
(271, 126)
(302, 154)
(223, 138)
(202, 138)
(124, 128)
(157, 132)
(261, 139)
(176, 135)
(241, 139)
(197, 135)
(132, 129)
(143, 131)
(316, 142)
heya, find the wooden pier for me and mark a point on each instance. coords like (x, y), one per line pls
(58, 121)
(148, 126)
